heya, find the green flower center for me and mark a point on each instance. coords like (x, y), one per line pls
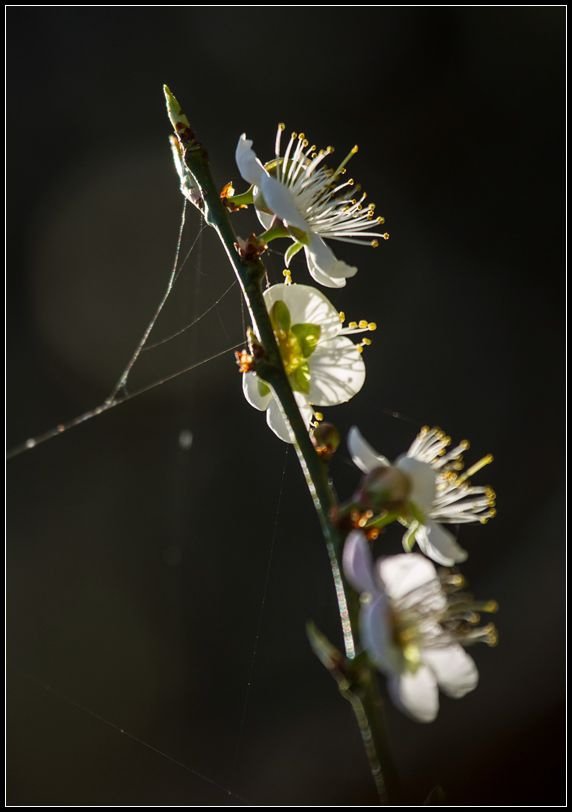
(296, 342)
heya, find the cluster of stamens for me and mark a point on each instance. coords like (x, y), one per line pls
(356, 327)
(438, 614)
(322, 195)
(360, 519)
(457, 500)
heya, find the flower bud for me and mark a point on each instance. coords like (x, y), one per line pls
(326, 439)
(384, 488)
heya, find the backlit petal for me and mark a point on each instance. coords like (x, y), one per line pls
(454, 669)
(439, 544)
(248, 164)
(363, 455)
(416, 693)
(337, 372)
(307, 305)
(250, 387)
(358, 563)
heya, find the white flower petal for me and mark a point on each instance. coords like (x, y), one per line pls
(363, 455)
(277, 420)
(323, 278)
(377, 635)
(281, 201)
(249, 166)
(250, 382)
(337, 372)
(454, 670)
(423, 481)
(307, 305)
(322, 261)
(416, 693)
(404, 574)
(264, 218)
(358, 563)
(439, 544)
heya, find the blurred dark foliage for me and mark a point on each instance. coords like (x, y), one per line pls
(135, 567)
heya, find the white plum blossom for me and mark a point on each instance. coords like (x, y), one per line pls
(324, 367)
(440, 491)
(311, 201)
(414, 624)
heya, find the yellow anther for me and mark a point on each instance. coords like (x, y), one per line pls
(351, 181)
(363, 324)
(282, 126)
(294, 135)
(492, 635)
(490, 606)
(465, 444)
(287, 276)
(372, 326)
(352, 325)
(329, 150)
(380, 220)
(301, 136)
(319, 416)
(366, 342)
(374, 243)
(342, 316)
(354, 149)
(385, 236)
(359, 348)
(305, 143)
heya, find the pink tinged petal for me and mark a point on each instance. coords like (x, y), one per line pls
(248, 164)
(322, 260)
(307, 305)
(377, 635)
(416, 694)
(409, 577)
(358, 563)
(423, 481)
(250, 387)
(363, 455)
(278, 422)
(453, 668)
(337, 372)
(281, 201)
(439, 544)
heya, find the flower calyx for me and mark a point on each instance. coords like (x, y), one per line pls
(251, 249)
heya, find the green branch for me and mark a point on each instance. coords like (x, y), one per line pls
(250, 272)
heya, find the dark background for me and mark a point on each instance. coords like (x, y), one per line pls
(137, 568)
